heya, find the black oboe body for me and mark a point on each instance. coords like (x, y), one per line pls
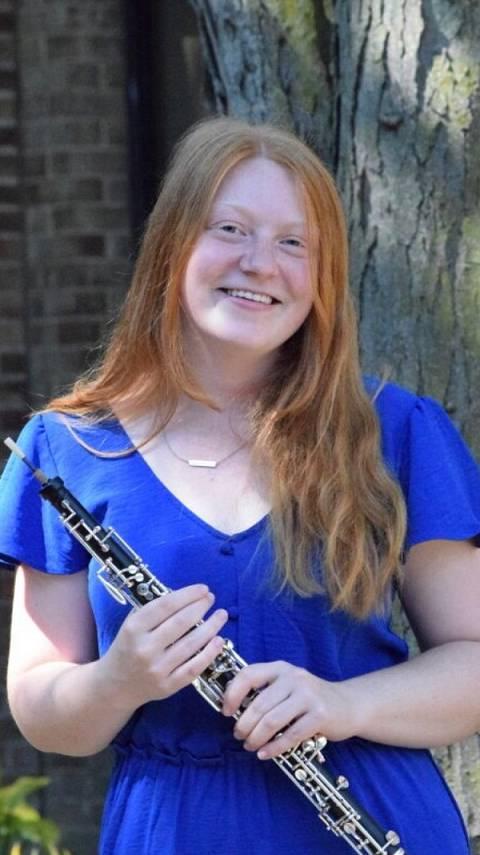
(129, 579)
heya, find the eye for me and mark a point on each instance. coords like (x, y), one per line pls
(226, 228)
(295, 244)
(230, 228)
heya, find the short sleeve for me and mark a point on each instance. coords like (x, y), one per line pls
(439, 477)
(31, 531)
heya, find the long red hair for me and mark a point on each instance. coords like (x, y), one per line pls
(313, 422)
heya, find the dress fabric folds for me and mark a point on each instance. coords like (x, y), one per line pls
(181, 784)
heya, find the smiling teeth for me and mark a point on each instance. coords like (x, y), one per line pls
(250, 295)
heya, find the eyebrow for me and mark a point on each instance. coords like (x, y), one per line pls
(294, 225)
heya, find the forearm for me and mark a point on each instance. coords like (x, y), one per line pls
(66, 708)
(431, 700)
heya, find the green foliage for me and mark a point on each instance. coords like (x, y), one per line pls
(22, 830)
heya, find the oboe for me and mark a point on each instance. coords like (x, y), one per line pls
(129, 579)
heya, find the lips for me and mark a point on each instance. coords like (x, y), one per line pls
(251, 296)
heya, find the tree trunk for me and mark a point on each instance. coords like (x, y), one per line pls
(265, 62)
(409, 118)
(409, 124)
(388, 93)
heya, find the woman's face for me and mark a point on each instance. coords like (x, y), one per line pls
(247, 282)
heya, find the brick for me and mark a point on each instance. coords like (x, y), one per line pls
(71, 276)
(65, 246)
(13, 392)
(34, 165)
(79, 245)
(117, 190)
(7, 22)
(15, 362)
(115, 133)
(80, 103)
(120, 246)
(8, 78)
(9, 136)
(83, 75)
(62, 47)
(8, 164)
(11, 221)
(93, 163)
(8, 107)
(108, 218)
(84, 332)
(12, 280)
(114, 75)
(88, 189)
(7, 48)
(35, 104)
(108, 47)
(11, 335)
(11, 301)
(9, 193)
(10, 248)
(68, 189)
(65, 218)
(90, 303)
(11, 421)
(75, 132)
(37, 219)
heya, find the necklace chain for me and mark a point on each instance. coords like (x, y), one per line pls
(201, 463)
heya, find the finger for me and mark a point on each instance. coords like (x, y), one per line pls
(189, 671)
(153, 614)
(189, 645)
(181, 623)
(262, 705)
(249, 679)
(296, 733)
(278, 720)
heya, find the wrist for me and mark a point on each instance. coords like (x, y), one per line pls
(114, 689)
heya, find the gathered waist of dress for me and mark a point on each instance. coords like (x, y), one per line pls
(182, 756)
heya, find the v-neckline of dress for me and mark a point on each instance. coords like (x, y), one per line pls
(185, 509)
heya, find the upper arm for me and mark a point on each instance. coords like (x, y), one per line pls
(51, 621)
(441, 592)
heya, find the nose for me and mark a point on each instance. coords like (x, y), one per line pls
(259, 257)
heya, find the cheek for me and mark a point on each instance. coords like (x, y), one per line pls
(202, 272)
(303, 289)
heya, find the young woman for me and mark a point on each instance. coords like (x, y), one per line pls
(236, 348)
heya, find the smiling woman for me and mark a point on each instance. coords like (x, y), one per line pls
(247, 282)
(229, 436)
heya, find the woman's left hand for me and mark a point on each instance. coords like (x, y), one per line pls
(292, 703)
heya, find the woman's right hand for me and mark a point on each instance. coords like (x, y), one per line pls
(160, 649)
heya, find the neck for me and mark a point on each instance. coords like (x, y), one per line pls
(229, 378)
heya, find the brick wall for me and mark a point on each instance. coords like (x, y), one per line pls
(64, 267)
(13, 362)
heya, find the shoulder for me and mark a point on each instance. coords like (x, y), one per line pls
(408, 420)
(393, 403)
(66, 444)
(394, 406)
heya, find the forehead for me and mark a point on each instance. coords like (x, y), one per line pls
(261, 183)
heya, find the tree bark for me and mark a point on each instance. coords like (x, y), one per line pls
(265, 62)
(408, 86)
(408, 89)
(388, 92)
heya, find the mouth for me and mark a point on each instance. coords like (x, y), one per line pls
(252, 296)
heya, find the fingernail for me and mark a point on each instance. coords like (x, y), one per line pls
(261, 754)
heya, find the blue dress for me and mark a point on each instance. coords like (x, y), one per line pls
(181, 784)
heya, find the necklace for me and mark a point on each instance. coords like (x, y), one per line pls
(199, 463)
